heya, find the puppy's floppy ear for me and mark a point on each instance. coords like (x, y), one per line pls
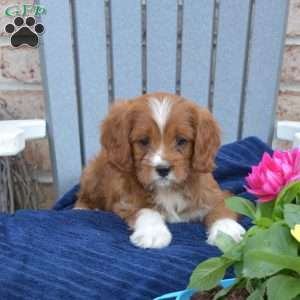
(115, 131)
(207, 139)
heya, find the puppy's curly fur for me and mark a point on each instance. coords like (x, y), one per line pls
(154, 166)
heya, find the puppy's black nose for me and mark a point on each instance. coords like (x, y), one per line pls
(162, 171)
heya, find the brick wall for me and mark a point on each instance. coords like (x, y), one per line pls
(21, 92)
(289, 95)
(22, 96)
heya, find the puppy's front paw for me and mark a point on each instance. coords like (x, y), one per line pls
(157, 236)
(150, 230)
(227, 226)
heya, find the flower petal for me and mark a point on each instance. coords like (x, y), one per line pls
(268, 188)
(266, 198)
(275, 180)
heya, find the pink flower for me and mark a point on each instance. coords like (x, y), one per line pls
(272, 174)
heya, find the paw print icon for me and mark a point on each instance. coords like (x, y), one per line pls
(24, 31)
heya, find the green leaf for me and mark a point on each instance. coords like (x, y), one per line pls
(252, 231)
(224, 242)
(265, 209)
(263, 222)
(282, 241)
(255, 267)
(287, 195)
(277, 237)
(256, 295)
(262, 258)
(276, 240)
(235, 253)
(238, 268)
(208, 274)
(291, 214)
(241, 206)
(283, 287)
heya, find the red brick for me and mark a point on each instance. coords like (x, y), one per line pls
(27, 105)
(291, 65)
(21, 104)
(288, 106)
(37, 154)
(294, 18)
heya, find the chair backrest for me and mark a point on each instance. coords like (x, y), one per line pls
(226, 55)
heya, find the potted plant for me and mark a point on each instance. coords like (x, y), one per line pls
(266, 262)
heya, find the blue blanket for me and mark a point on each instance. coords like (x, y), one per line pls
(73, 254)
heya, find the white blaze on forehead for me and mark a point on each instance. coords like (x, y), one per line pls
(160, 111)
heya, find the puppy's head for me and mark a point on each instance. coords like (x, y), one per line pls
(161, 139)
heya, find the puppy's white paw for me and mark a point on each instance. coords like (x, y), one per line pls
(151, 237)
(150, 230)
(227, 226)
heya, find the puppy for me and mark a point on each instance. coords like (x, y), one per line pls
(155, 166)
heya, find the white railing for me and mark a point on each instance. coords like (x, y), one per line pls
(14, 133)
(289, 131)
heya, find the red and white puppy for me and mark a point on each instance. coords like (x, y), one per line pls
(155, 167)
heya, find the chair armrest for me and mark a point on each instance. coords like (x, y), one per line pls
(14, 133)
(33, 129)
(289, 131)
(12, 141)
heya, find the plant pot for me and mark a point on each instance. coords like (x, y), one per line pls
(187, 294)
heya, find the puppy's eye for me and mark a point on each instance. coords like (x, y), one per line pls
(145, 141)
(180, 141)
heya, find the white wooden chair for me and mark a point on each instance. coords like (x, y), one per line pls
(13, 136)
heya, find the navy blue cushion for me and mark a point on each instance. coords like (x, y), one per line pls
(73, 254)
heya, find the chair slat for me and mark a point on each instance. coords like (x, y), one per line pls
(264, 67)
(161, 45)
(230, 63)
(126, 34)
(92, 74)
(197, 49)
(59, 77)
(75, 71)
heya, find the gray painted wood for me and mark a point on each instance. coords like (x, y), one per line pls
(126, 28)
(264, 70)
(230, 63)
(59, 80)
(92, 74)
(76, 77)
(197, 50)
(161, 45)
